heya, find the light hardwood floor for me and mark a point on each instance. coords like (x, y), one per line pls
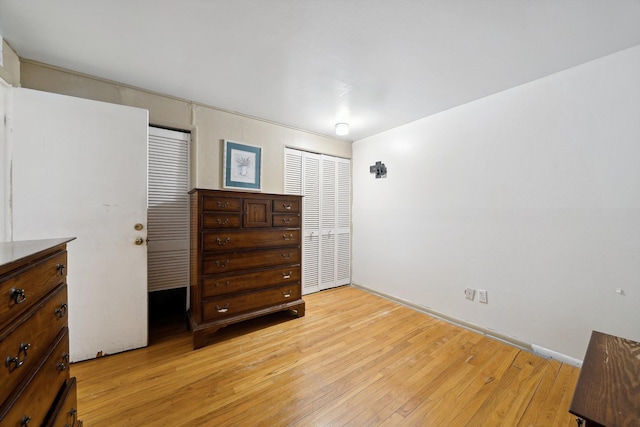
(355, 359)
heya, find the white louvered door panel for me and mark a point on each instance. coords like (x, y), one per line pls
(328, 261)
(293, 172)
(343, 222)
(328, 222)
(343, 259)
(325, 183)
(168, 209)
(311, 224)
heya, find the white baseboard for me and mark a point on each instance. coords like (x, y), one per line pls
(533, 348)
(550, 354)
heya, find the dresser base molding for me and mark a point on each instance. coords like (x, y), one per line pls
(203, 330)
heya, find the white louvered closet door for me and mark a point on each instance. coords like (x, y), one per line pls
(302, 177)
(311, 223)
(325, 183)
(343, 222)
(168, 209)
(328, 223)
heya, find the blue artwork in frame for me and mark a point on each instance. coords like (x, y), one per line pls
(242, 166)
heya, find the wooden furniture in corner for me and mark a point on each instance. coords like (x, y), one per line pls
(34, 335)
(608, 388)
(245, 258)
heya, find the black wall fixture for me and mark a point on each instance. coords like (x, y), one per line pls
(379, 169)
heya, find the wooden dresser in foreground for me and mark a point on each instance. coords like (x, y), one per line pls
(34, 337)
(608, 389)
(245, 258)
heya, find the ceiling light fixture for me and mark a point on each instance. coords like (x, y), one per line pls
(342, 129)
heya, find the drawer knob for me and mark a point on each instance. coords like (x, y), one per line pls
(287, 256)
(223, 309)
(24, 421)
(222, 204)
(61, 311)
(287, 276)
(222, 221)
(222, 264)
(18, 296)
(287, 206)
(61, 268)
(286, 220)
(289, 237)
(286, 294)
(14, 363)
(222, 242)
(62, 366)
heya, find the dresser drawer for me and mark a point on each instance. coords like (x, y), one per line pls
(65, 413)
(33, 398)
(221, 204)
(231, 305)
(236, 261)
(221, 220)
(286, 204)
(20, 290)
(25, 341)
(217, 286)
(219, 241)
(286, 220)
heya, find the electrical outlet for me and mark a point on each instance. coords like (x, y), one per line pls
(469, 293)
(482, 295)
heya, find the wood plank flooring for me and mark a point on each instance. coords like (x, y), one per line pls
(355, 359)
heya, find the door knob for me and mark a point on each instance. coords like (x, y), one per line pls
(138, 226)
(139, 241)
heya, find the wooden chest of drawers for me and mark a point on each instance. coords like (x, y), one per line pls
(34, 337)
(245, 258)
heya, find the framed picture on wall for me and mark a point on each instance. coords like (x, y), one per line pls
(242, 166)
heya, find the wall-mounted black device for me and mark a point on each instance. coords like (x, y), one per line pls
(379, 169)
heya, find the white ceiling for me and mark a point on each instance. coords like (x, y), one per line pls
(308, 64)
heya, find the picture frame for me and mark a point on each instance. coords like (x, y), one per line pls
(242, 166)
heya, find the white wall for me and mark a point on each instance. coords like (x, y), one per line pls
(213, 126)
(209, 126)
(532, 194)
(10, 68)
(3, 166)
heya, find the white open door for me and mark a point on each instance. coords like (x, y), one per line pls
(79, 169)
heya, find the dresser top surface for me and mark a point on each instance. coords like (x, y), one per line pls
(234, 193)
(13, 253)
(608, 389)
